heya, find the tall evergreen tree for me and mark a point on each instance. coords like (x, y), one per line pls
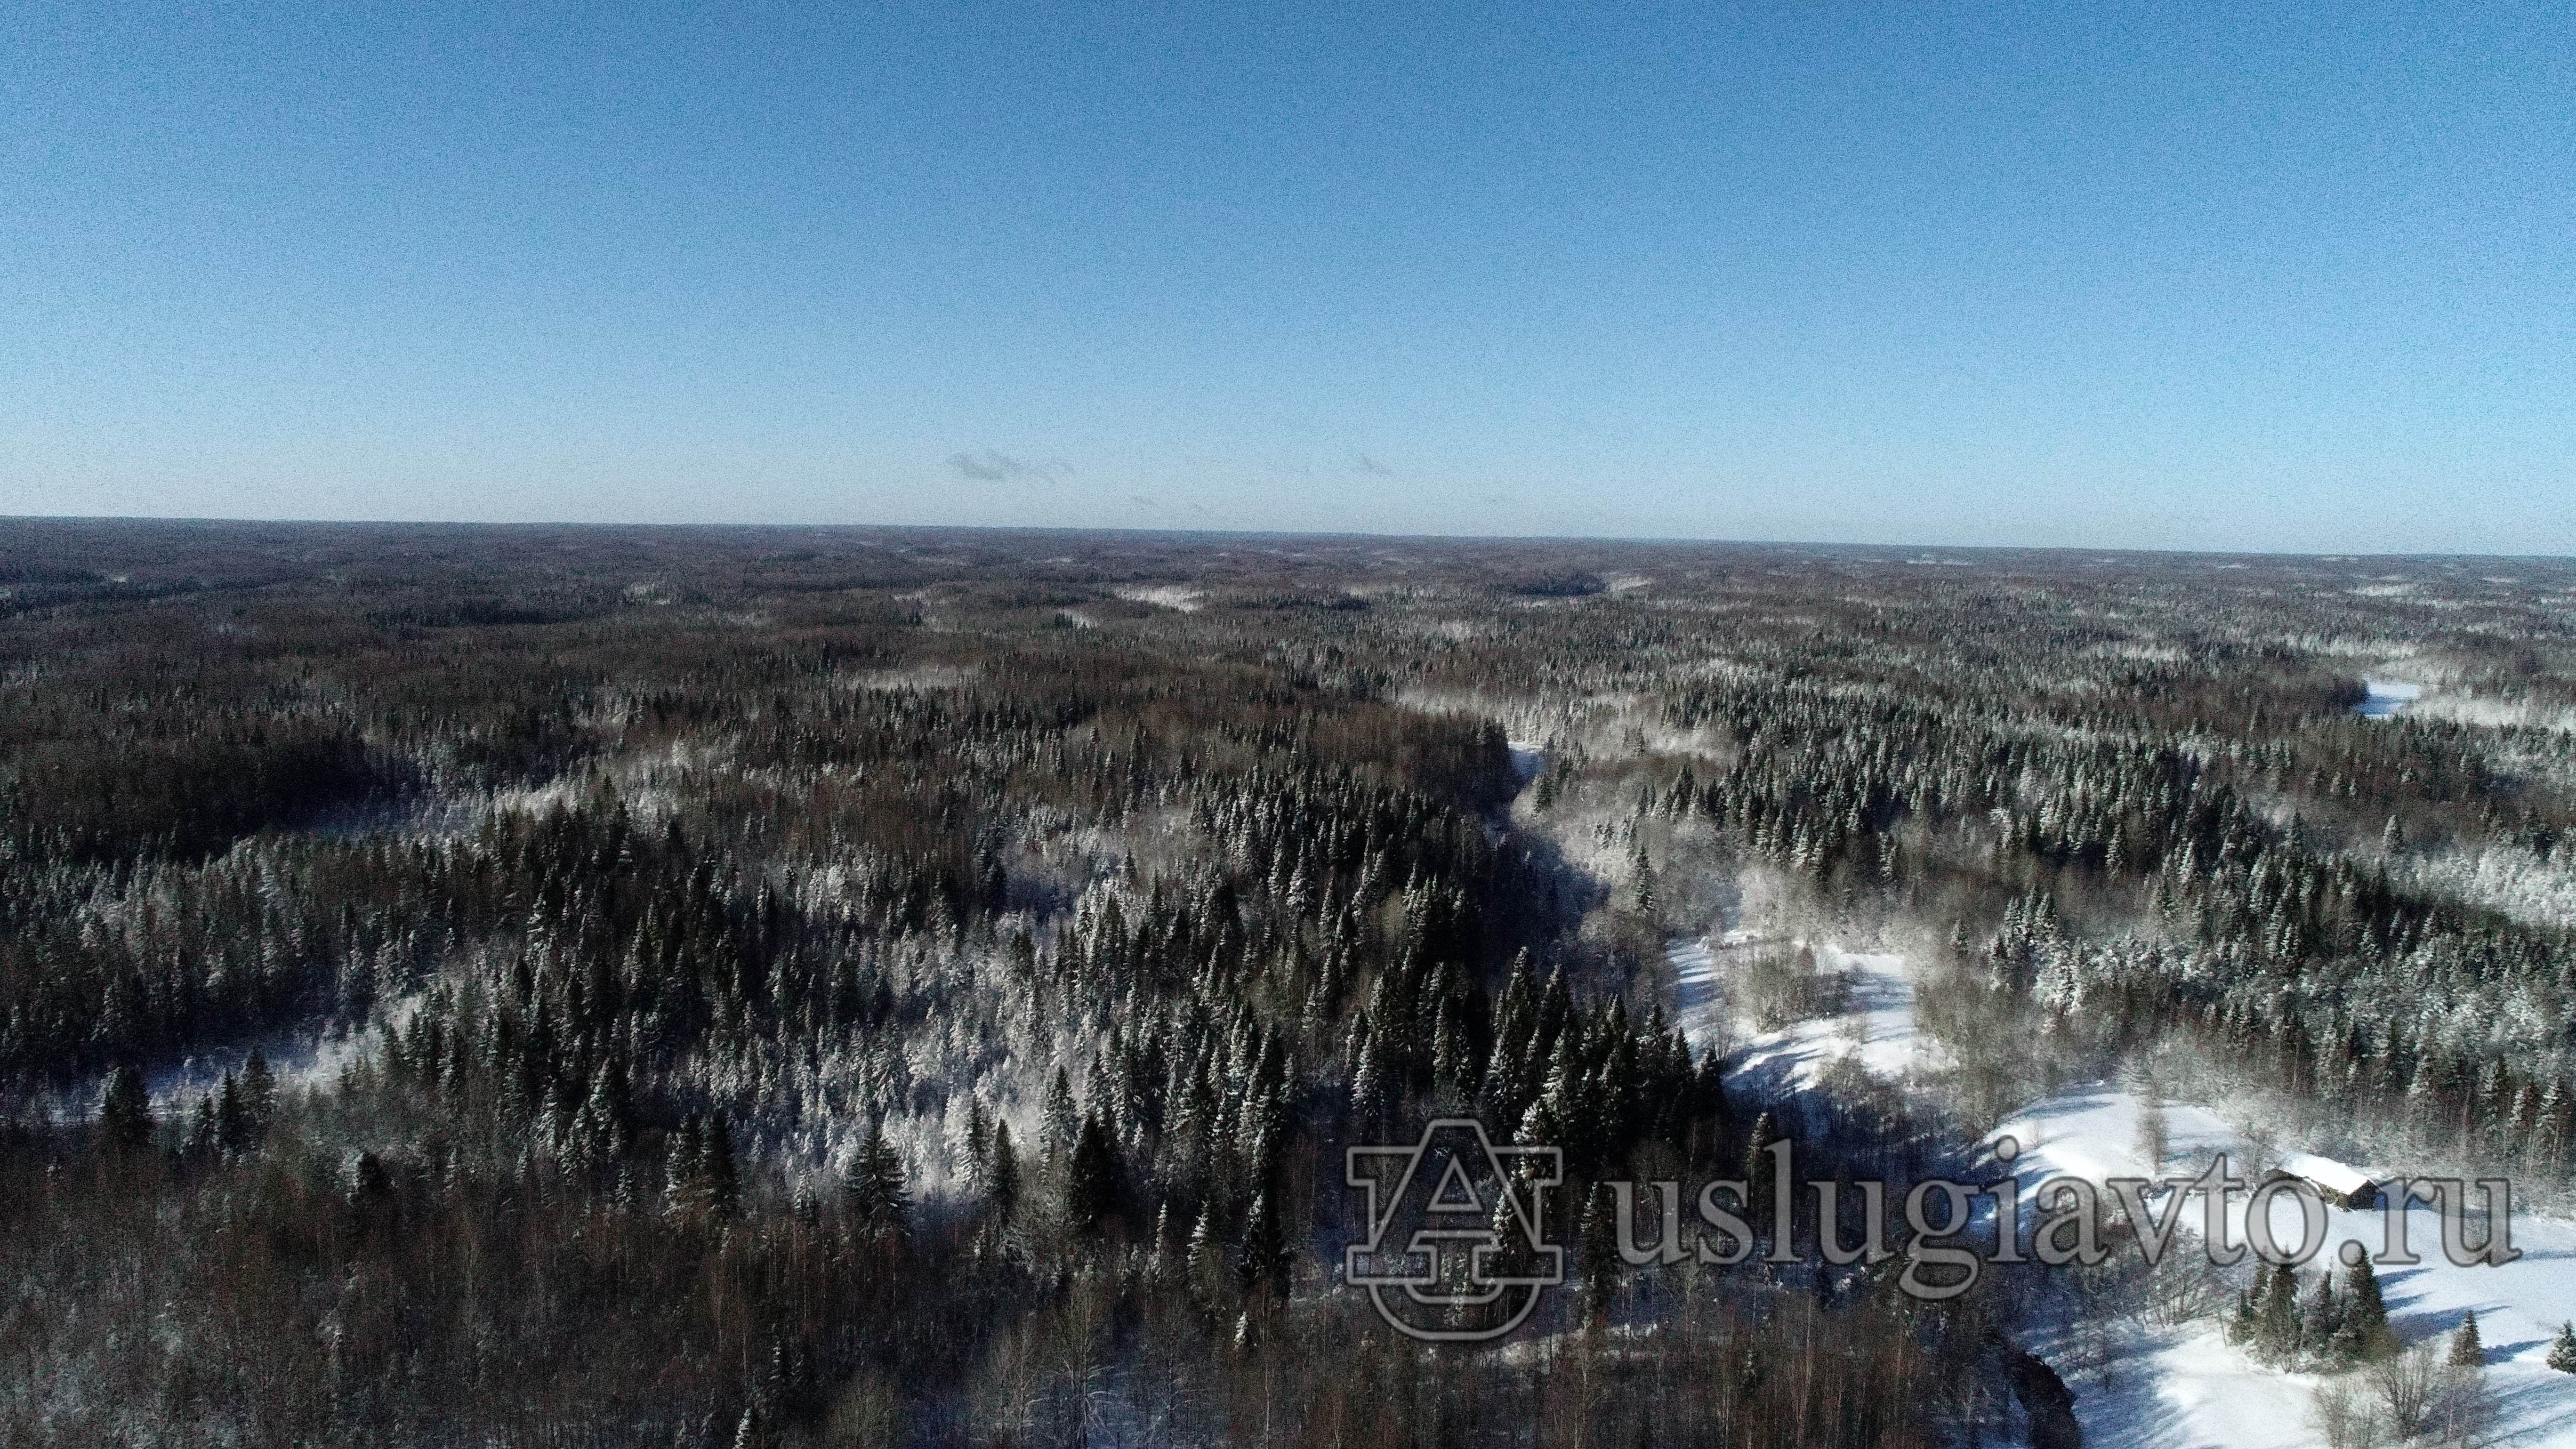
(1600, 1253)
(2365, 1331)
(723, 1185)
(877, 1196)
(1094, 1186)
(1757, 1171)
(1060, 1119)
(2321, 1323)
(979, 1147)
(2466, 1349)
(125, 1117)
(232, 1115)
(259, 1093)
(204, 1139)
(1265, 1252)
(1002, 1186)
(1206, 1262)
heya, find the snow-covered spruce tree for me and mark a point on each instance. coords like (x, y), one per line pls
(2364, 1332)
(1266, 1259)
(1095, 1188)
(125, 1115)
(2321, 1320)
(1603, 1271)
(2466, 1349)
(879, 1202)
(2562, 1349)
(1002, 1179)
(1061, 1121)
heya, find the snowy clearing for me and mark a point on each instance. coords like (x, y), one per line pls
(2190, 1387)
(1877, 1030)
(1166, 596)
(2187, 1387)
(301, 1061)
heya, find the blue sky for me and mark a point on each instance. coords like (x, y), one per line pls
(2150, 275)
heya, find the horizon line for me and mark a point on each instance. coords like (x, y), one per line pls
(1614, 540)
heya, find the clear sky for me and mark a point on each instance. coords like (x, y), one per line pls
(2223, 276)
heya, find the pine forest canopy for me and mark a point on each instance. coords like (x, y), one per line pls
(855, 986)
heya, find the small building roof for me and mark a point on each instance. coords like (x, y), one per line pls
(2325, 1172)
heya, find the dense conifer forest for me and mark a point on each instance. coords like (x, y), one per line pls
(566, 987)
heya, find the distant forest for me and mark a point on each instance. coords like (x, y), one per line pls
(799, 987)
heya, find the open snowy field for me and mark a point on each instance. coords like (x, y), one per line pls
(2192, 1388)
(2183, 1388)
(1877, 1029)
(2385, 698)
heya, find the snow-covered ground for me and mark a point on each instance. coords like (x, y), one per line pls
(300, 1061)
(1696, 989)
(2383, 698)
(1166, 596)
(2189, 1387)
(2184, 1387)
(1878, 1028)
